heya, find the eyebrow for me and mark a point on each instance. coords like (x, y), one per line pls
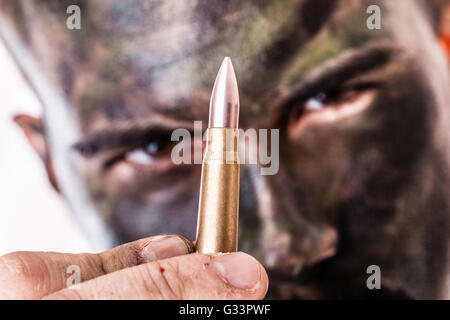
(335, 72)
(129, 133)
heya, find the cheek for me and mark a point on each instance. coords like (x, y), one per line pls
(368, 154)
(145, 202)
(160, 214)
(321, 144)
(125, 178)
(324, 155)
(119, 175)
(322, 161)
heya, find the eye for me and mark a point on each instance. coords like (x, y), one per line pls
(330, 106)
(316, 103)
(143, 155)
(149, 153)
(332, 98)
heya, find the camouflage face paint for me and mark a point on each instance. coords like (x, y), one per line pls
(360, 173)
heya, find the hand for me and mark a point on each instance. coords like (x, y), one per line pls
(159, 267)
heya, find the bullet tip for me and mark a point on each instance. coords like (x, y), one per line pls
(224, 104)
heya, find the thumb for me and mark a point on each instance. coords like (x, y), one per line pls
(195, 276)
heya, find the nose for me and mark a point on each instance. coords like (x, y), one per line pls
(260, 233)
(249, 221)
(278, 226)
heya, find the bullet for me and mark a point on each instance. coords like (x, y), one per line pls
(224, 102)
(218, 212)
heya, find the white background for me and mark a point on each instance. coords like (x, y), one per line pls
(32, 215)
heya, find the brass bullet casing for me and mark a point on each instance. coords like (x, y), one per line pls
(218, 212)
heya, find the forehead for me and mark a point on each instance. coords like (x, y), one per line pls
(132, 57)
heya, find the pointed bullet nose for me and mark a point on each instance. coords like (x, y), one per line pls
(224, 104)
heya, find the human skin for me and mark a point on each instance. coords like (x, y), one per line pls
(362, 180)
(158, 267)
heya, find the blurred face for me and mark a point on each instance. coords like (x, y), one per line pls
(354, 107)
